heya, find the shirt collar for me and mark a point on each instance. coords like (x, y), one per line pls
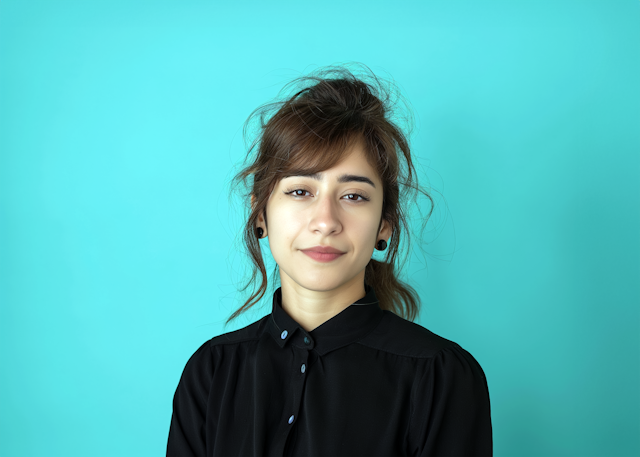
(348, 326)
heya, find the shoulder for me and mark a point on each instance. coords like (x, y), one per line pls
(450, 412)
(434, 357)
(405, 338)
(249, 333)
(202, 359)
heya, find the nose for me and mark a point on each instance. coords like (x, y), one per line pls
(325, 216)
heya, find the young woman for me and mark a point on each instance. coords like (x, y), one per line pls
(337, 368)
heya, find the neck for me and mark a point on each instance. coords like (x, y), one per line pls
(312, 308)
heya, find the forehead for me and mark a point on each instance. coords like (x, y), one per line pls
(354, 157)
(354, 161)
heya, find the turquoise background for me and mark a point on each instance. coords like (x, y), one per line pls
(120, 127)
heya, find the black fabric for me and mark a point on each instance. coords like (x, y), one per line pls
(373, 384)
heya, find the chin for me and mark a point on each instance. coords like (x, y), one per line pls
(322, 282)
(321, 285)
(318, 282)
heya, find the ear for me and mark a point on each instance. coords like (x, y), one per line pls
(260, 222)
(385, 231)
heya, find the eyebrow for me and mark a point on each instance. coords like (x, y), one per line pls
(341, 179)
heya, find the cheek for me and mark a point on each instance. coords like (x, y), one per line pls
(283, 226)
(363, 229)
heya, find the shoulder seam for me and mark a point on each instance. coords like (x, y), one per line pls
(407, 355)
(221, 342)
(224, 338)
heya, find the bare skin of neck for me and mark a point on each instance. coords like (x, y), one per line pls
(311, 308)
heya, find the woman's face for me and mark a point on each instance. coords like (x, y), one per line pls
(340, 208)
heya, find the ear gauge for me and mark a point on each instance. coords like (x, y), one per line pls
(382, 245)
(259, 232)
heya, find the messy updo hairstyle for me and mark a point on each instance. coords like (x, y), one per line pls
(315, 120)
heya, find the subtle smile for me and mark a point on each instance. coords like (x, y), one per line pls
(323, 253)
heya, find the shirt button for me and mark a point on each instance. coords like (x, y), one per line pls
(307, 340)
(303, 368)
(284, 334)
(291, 419)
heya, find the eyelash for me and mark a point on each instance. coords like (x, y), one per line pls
(290, 192)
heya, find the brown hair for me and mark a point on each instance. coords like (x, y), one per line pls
(328, 111)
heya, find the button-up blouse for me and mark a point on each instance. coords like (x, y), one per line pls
(364, 383)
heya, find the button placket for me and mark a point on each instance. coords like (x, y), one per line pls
(301, 357)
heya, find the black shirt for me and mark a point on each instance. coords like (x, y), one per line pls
(364, 383)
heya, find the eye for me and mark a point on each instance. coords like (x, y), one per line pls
(297, 192)
(300, 193)
(356, 198)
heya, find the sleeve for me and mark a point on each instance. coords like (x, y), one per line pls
(451, 410)
(187, 430)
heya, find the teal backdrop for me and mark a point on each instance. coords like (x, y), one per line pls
(121, 126)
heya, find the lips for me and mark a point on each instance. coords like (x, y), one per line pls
(323, 253)
(324, 250)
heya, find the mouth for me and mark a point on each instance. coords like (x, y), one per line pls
(323, 254)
